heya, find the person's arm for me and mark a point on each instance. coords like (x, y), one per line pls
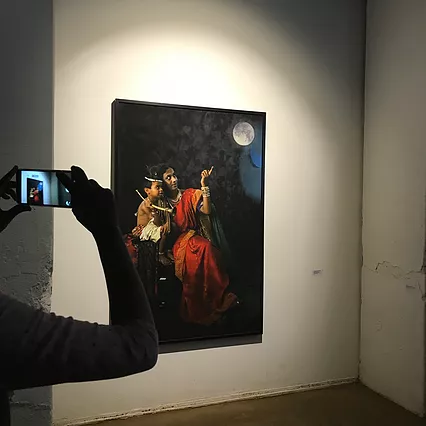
(145, 213)
(142, 219)
(157, 218)
(39, 349)
(127, 297)
(206, 206)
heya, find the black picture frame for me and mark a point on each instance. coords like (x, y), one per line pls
(189, 138)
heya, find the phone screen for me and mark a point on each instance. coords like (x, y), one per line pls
(42, 188)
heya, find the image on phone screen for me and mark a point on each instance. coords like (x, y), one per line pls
(42, 188)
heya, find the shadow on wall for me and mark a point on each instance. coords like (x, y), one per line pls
(210, 344)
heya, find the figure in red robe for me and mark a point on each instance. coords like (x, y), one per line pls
(199, 263)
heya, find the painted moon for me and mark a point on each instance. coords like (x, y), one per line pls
(243, 133)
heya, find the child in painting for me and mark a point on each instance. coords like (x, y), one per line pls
(152, 223)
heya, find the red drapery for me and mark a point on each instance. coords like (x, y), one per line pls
(199, 267)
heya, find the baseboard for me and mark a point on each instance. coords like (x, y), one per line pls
(203, 402)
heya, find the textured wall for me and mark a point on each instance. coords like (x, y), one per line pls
(26, 140)
(393, 277)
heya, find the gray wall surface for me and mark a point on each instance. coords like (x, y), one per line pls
(26, 126)
(393, 274)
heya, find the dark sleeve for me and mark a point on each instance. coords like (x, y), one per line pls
(40, 349)
(127, 297)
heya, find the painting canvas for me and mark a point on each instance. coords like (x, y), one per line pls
(189, 186)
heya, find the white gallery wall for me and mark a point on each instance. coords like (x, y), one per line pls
(393, 289)
(302, 63)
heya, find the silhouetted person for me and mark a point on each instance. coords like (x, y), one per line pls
(41, 349)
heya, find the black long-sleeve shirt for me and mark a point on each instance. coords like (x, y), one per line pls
(41, 349)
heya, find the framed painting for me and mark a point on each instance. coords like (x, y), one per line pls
(189, 186)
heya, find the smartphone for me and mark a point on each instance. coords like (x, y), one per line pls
(42, 188)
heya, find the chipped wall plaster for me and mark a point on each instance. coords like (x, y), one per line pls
(394, 205)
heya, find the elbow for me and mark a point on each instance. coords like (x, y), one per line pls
(149, 357)
(139, 349)
(151, 354)
(151, 360)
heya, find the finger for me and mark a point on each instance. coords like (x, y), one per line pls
(78, 175)
(4, 181)
(211, 169)
(65, 180)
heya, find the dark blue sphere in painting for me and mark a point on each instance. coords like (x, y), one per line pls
(251, 168)
(256, 150)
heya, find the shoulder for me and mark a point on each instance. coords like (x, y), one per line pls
(142, 207)
(194, 196)
(197, 193)
(190, 192)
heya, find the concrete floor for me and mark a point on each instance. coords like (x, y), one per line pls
(351, 405)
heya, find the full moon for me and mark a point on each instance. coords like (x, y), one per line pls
(243, 133)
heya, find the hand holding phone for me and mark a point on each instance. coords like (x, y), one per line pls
(42, 188)
(7, 191)
(92, 205)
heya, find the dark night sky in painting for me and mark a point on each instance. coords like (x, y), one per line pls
(192, 139)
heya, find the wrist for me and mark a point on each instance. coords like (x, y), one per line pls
(206, 191)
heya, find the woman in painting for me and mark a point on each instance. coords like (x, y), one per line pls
(198, 251)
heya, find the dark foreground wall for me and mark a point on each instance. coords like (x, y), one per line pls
(26, 124)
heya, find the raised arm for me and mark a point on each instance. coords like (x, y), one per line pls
(206, 207)
(41, 349)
